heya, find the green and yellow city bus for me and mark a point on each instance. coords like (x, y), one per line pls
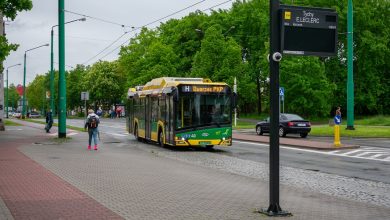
(181, 112)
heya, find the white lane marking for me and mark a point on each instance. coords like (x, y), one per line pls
(366, 153)
(351, 152)
(377, 155)
(14, 129)
(387, 159)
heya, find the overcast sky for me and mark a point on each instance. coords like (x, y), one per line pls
(86, 39)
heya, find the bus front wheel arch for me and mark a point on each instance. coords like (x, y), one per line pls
(136, 132)
(160, 138)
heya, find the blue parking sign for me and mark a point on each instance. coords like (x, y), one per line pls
(281, 91)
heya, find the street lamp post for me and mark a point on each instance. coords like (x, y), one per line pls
(51, 64)
(6, 95)
(24, 80)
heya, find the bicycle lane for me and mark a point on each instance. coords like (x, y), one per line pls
(32, 192)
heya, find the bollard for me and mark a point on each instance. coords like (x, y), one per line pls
(337, 136)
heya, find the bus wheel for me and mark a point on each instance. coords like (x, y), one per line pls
(161, 139)
(209, 147)
(136, 133)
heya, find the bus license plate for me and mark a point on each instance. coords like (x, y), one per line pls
(204, 142)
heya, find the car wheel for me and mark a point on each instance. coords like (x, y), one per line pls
(259, 131)
(303, 135)
(282, 132)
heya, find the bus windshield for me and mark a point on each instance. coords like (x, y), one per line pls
(196, 110)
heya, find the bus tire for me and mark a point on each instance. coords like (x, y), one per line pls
(161, 139)
(136, 133)
(209, 147)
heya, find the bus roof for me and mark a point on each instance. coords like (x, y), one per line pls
(159, 84)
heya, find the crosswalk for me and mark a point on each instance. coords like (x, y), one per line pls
(365, 152)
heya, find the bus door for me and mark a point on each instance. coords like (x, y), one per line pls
(168, 129)
(148, 117)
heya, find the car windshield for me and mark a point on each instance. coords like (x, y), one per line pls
(293, 117)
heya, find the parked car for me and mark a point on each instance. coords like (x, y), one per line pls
(288, 123)
(17, 115)
(34, 115)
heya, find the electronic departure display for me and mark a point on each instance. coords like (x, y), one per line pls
(308, 31)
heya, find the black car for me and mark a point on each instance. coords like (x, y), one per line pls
(288, 123)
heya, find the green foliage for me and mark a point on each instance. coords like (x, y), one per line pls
(104, 83)
(73, 87)
(13, 96)
(10, 8)
(307, 89)
(36, 93)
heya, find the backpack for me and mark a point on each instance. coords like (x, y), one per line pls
(93, 122)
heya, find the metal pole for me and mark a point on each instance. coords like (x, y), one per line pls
(274, 208)
(61, 68)
(274, 117)
(24, 89)
(350, 84)
(52, 74)
(6, 98)
(235, 109)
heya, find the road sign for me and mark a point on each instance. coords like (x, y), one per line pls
(337, 119)
(308, 31)
(281, 91)
(84, 96)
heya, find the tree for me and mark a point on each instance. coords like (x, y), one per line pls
(106, 85)
(10, 8)
(307, 89)
(13, 96)
(36, 93)
(145, 58)
(74, 88)
(218, 59)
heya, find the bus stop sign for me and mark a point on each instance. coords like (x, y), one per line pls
(308, 31)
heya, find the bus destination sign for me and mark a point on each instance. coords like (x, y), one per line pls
(203, 88)
(308, 31)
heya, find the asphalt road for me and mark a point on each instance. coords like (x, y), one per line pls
(362, 163)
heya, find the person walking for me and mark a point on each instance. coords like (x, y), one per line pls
(92, 124)
(49, 121)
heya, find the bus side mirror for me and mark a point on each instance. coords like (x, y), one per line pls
(234, 99)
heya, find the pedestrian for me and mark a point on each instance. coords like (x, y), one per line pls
(49, 121)
(338, 111)
(92, 124)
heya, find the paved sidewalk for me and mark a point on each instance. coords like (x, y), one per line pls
(44, 178)
(299, 142)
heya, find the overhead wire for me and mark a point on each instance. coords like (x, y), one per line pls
(159, 20)
(137, 28)
(98, 19)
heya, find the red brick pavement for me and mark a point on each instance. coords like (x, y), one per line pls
(32, 192)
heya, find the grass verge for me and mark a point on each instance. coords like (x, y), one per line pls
(360, 131)
(56, 124)
(11, 123)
